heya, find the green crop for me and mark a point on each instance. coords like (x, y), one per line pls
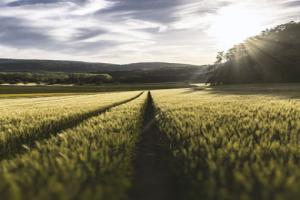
(24, 121)
(217, 145)
(90, 161)
(232, 146)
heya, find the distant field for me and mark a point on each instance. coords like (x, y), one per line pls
(226, 142)
(36, 91)
(289, 90)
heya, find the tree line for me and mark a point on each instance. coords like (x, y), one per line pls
(272, 56)
(184, 74)
(54, 78)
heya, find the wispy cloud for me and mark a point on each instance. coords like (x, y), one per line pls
(123, 31)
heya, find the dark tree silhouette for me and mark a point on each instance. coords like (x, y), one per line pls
(272, 56)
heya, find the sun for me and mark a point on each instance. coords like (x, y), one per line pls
(235, 24)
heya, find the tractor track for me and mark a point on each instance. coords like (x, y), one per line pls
(153, 179)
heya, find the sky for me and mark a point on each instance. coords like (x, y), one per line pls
(128, 31)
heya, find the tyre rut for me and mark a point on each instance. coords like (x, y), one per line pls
(153, 179)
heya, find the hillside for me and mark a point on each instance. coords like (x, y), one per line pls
(19, 65)
(68, 72)
(271, 57)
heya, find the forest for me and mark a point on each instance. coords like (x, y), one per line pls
(160, 75)
(272, 56)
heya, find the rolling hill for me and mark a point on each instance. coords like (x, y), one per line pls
(15, 70)
(20, 65)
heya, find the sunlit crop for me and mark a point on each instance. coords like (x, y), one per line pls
(90, 161)
(212, 144)
(228, 146)
(23, 121)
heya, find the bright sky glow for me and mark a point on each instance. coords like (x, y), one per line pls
(235, 24)
(126, 31)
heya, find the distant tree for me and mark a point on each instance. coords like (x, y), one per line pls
(220, 58)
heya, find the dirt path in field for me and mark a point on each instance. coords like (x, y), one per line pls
(58, 127)
(153, 179)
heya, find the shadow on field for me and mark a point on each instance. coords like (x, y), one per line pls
(153, 179)
(288, 91)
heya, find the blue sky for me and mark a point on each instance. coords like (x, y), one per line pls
(126, 31)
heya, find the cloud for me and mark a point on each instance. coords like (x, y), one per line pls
(34, 2)
(123, 31)
(16, 32)
(154, 10)
(86, 33)
(292, 3)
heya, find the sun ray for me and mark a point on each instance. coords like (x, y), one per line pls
(235, 24)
